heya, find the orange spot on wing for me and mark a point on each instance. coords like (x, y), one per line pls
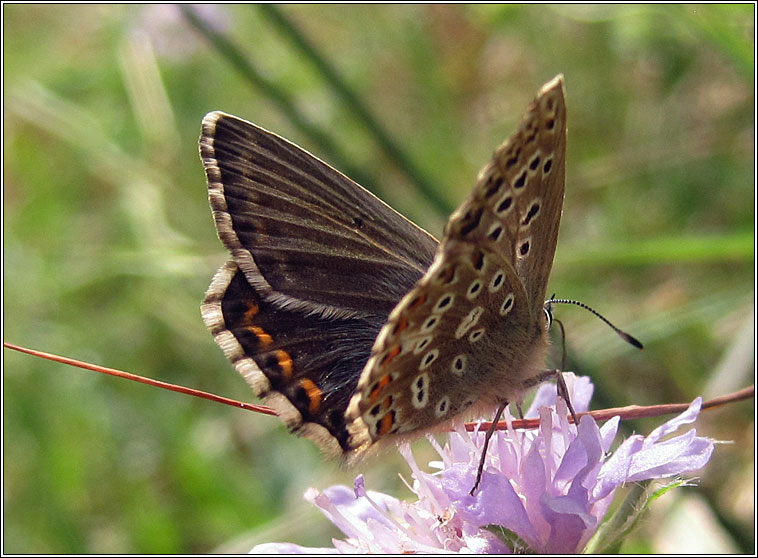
(285, 363)
(264, 338)
(378, 387)
(393, 352)
(386, 423)
(314, 394)
(401, 325)
(416, 302)
(251, 311)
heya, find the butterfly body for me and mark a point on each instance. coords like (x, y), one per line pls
(356, 325)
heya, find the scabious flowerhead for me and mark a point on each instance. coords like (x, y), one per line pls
(543, 490)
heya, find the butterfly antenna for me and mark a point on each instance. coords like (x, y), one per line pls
(624, 335)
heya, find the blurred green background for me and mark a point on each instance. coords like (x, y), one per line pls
(109, 243)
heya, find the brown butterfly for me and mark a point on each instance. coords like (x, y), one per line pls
(355, 324)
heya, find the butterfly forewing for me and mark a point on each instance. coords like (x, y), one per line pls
(518, 199)
(305, 235)
(534, 164)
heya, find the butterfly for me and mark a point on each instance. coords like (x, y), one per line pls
(357, 326)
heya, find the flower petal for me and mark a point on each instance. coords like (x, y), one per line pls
(672, 425)
(495, 503)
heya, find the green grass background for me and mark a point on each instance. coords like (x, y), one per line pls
(109, 243)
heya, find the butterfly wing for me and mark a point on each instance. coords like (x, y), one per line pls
(306, 236)
(534, 163)
(441, 349)
(519, 197)
(473, 331)
(317, 265)
(302, 365)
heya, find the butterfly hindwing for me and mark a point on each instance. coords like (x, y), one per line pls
(303, 365)
(441, 351)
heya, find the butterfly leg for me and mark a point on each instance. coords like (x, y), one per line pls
(520, 411)
(563, 392)
(490, 431)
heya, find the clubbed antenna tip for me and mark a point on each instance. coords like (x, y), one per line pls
(629, 339)
(624, 335)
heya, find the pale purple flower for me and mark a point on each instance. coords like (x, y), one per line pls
(546, 489)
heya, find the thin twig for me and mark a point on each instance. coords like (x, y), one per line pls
(141, 379)
(629, 412)
(626, 413)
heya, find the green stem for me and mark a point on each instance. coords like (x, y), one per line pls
(382, 137)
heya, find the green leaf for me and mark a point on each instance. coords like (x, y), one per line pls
(516, 544)
(611, 533)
